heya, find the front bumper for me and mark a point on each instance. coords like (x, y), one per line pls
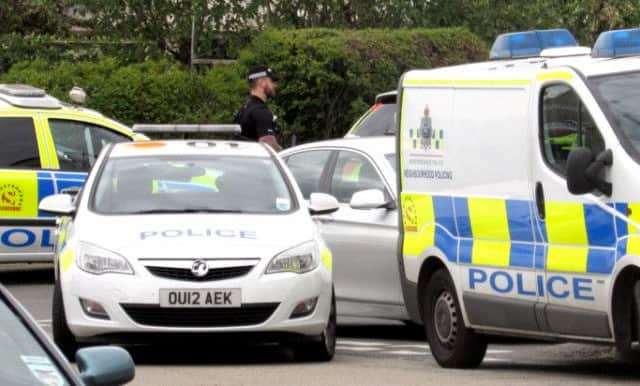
(132, 304)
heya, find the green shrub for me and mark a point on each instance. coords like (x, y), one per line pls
(328, 78)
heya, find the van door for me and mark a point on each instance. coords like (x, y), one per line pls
(577, 232)
(25, 233)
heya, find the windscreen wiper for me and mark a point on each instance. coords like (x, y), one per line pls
(186, 210)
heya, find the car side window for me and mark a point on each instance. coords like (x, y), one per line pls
(78, 143)
(307, 168)
(566, 124)
(353, 172)
(19, 146)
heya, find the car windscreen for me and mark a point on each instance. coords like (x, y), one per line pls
(380, 120)
(192, 184)
(24, 360)
(618, 96)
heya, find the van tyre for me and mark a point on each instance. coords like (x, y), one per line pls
(452, 344)
(62, 336)
(322, 348)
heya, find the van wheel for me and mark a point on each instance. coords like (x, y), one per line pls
(627, 324)
(62, 336)
(323, 348)
(452, 343)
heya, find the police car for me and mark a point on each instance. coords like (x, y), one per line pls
(168, 239)
(519, 193)
(47, 147)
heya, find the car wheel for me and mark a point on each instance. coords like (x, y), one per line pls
(62, 336)
(452, 343)
(323, 348)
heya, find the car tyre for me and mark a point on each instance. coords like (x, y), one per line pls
(62, 336)
(453, 345)
(322, 348)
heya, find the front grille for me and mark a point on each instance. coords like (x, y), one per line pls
(154, 315)
(186, 274)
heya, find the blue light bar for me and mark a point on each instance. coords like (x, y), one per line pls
(622, 42)
(530, 43)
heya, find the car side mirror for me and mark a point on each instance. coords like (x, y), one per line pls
(584, 173)
(322, 203)
(370, 199)
(105, 365)
(58, 204)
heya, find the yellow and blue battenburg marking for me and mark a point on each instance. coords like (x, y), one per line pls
(54, 182)
(574, 237)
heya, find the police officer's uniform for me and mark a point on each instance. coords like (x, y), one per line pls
(254, 117)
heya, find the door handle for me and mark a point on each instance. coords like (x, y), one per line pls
(540, 200)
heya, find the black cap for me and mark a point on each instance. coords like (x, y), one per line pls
(261, 72)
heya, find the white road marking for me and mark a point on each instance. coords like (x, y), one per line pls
(358, 348)
(499, 351)
(494, 360)
(404, 352)
(362, 343)
(46, 321)
(418, 346)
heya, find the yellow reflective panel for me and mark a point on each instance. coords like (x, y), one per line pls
(326, 257)
(565, 223)
(556, 75)
(567, 259)
(66, 259)
(494, 253)
(419, 223)
(18, 193)
(488, 217)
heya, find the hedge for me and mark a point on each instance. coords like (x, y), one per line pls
(328, 78)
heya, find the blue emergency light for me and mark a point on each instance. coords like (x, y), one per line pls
(622, 42)
(530, 43)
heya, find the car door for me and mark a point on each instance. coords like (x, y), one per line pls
(363, 242)
(578, 231)
(25, 233)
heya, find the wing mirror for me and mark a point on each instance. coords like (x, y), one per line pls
(105, 365)
(322, 203)
(585, 171)
(58, 204)
(370, 199)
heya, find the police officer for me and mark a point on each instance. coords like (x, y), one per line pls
(254, 117)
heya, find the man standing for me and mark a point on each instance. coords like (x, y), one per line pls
(254, 117)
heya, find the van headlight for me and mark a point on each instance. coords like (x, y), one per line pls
(97, 261)
(299, 259)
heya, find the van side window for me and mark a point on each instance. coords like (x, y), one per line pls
(79, 143)
(566, 124)
(19, 146)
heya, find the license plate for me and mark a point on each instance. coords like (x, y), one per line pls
(200, 297)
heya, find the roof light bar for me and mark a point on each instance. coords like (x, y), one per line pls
(528, 44)
(21, 90)
(187, 128)
(616, 43)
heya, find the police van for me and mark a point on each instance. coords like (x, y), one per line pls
(520, 195)
(47, 147)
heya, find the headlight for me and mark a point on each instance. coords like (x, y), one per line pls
(96, 260)
(299, 259)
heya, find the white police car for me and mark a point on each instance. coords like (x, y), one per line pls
(184, 237)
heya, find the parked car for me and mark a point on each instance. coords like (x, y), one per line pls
(47, 147)
(379, 119)
(192, 239)
(363, 233)
(29, 357)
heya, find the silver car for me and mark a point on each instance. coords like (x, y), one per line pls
(363, 233)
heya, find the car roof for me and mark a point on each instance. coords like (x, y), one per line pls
(189, 147)
(380, 145)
